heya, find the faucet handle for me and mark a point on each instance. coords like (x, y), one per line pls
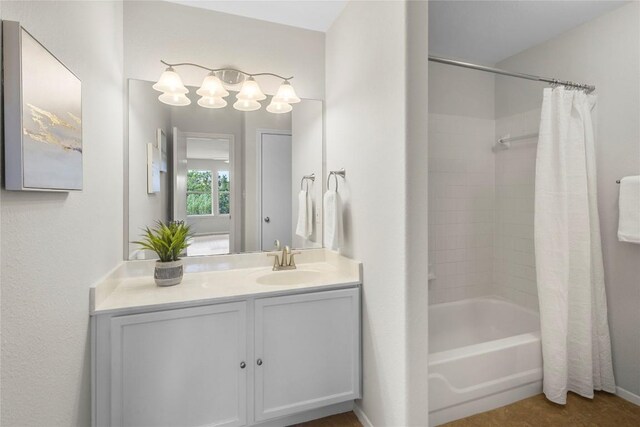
(276, 259)
(276, 245)
(292, 261)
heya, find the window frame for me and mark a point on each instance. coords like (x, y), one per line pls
(217, 193)
(213, 195)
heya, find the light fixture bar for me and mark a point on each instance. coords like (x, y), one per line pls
(214, 70)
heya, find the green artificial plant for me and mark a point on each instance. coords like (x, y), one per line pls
(168, 240)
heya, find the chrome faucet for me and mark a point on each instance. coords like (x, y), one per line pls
(284, 260)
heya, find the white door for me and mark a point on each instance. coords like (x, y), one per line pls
(180, 367)
(275, 190)
(307, 352)
(179, 175)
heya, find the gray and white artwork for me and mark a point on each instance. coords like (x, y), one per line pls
(51, 120)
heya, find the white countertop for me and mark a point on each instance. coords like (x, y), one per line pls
(130, 288)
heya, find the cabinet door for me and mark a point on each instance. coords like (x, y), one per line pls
(180, 367)
(307, 350)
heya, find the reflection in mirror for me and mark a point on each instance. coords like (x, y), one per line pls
(235, 177)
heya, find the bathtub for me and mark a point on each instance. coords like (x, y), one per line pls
(483, 353)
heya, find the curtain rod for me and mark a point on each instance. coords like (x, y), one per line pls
(585, 87)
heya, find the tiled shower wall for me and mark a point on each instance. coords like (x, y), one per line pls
(461, 207)
(481, 208)
(480, 198)
(514, 261)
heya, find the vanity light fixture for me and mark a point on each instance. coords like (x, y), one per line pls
(170, 82)
(212, 102)
(250, 91)
(247, 105)
(286, 94)
(177, 99)
(214, 89)
(279, 107)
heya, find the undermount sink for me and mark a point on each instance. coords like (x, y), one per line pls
(290, 277)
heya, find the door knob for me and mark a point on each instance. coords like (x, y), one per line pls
(267, 219)
(243, 365)
(259, 362)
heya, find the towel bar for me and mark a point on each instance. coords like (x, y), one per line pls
(311, 178)
(342, 173)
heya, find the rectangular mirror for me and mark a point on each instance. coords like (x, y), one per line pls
(233, 176)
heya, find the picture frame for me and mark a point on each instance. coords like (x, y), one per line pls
(153, 169)
(43, 139)
(161, 139)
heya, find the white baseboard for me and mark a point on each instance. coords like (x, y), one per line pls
(362, 417)
(314, 414)
(628, 396)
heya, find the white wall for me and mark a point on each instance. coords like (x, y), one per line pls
(604, 52)
(417, 247)
(156, 30)
(461, 182)
(367, 130)
(146, 116)
(458, 91)
(55, 245)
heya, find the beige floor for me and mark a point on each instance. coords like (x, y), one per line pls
(213, 244)
(603, 411)
(348, 419)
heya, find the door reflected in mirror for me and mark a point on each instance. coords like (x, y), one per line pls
(234, 177)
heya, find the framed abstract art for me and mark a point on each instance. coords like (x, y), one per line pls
(42, 116)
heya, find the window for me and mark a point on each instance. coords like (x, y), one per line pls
(199, 194)
(203, 198)
(223, 192)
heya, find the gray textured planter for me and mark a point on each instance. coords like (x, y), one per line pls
(168, 273)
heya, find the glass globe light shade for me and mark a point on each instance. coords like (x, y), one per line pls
(176, 99)
(170, 82)
(212, 87)
(246, 105)
(279, 107)
(212, 102)
(286, 94)
(250, 91)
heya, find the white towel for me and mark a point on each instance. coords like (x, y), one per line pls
(332, 220)
(629, 205)
(304, 228)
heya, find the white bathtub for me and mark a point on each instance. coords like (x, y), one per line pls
(483, 353)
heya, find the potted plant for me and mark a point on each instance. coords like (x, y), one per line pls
(168, 240)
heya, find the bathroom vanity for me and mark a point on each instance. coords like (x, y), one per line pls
(235, 344)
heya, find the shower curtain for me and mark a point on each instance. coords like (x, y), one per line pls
(576, 347)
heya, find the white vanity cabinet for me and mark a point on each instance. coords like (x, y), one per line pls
(307, 350)
(248, 362)
(180, 367)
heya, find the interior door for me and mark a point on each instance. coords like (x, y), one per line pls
(307, 352)
(179, 193)
(180, 367)
(275, 190)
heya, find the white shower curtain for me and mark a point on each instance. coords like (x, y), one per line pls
(576, 347)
